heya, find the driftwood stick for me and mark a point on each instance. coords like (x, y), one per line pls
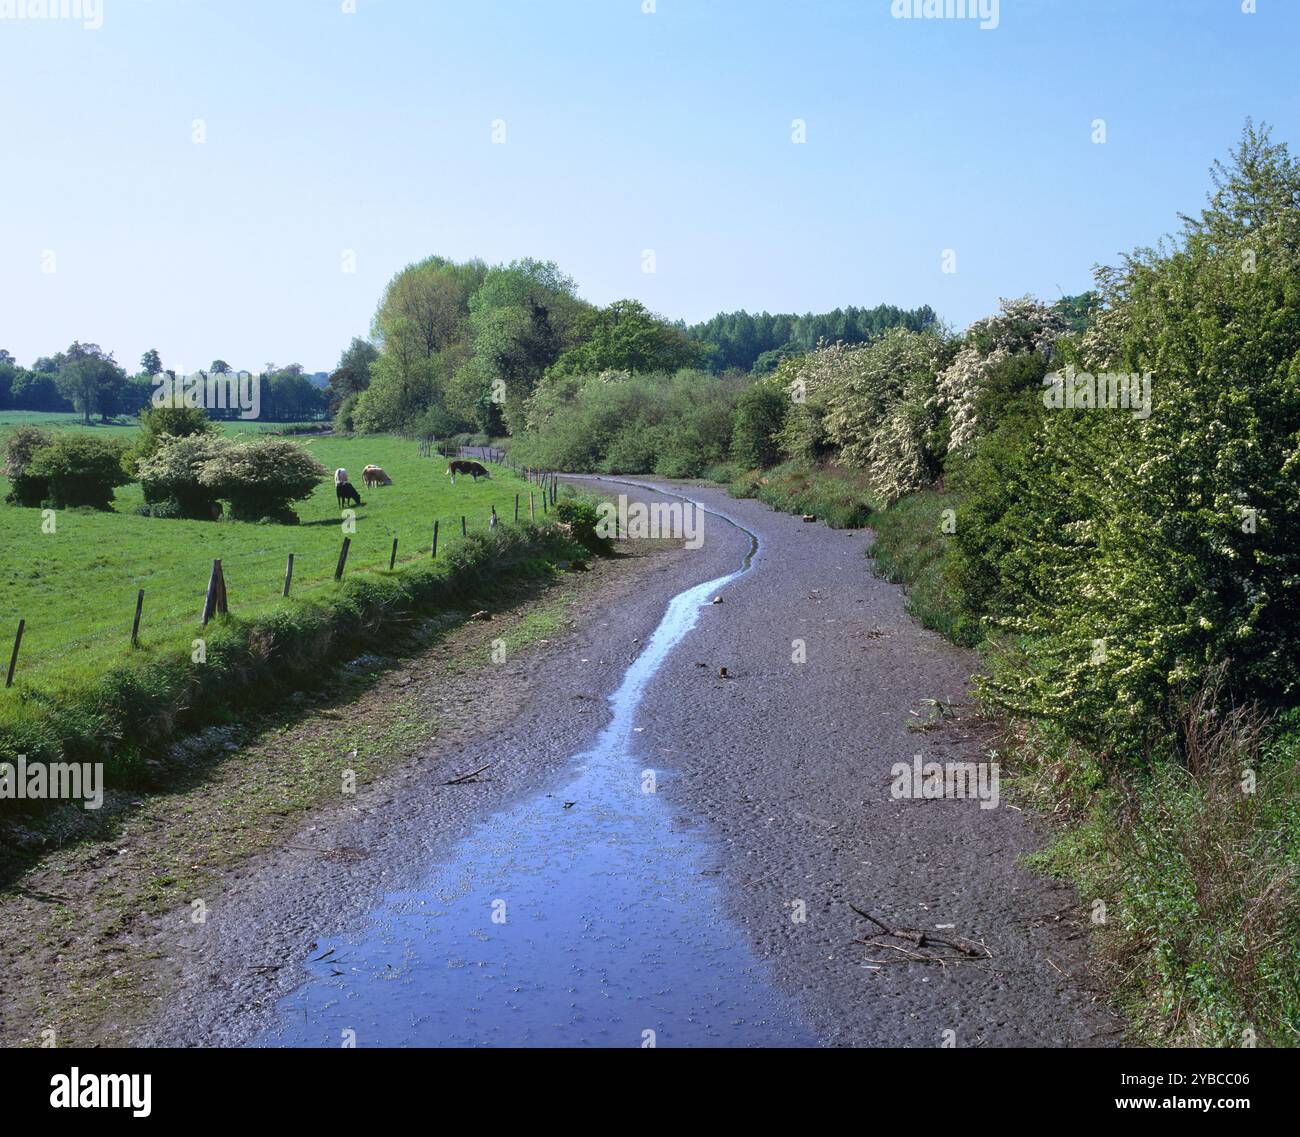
(921, 939)
(465, 777)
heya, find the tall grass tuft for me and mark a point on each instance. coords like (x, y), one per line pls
(911, 548)
(1196, 861)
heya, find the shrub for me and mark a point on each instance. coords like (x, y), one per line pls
(169, 510)
(345, 416)
(755, 424)
(882, 409)
(80, 470)
(614, 422)
(629, 452)
(262, 477)
(583, 517)
(1021, 327)
(24, 487)
(1120, 555)
(160, 424)
(171, 476)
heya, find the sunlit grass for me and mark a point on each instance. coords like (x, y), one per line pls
(76, 587)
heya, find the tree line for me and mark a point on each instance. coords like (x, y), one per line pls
(88, 380)
(739, 341)
(465, 346)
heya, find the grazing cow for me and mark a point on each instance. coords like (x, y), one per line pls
(340, 476)
(375, 476)
(464, 466)
(345, 492)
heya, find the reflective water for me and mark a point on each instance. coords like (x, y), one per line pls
(581, 917)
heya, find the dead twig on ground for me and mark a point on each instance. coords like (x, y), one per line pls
(466, 777)
(919, 939)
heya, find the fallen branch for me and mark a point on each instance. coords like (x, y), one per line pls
(466, 777)
(921, 939)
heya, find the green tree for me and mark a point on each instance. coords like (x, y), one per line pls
(151, 363)
(352, 376)
(627, 336)
(523, 317)
(756, 424)
(91, 379)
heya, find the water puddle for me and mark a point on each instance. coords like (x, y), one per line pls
(581, 917)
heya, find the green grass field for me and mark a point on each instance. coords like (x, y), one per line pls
(76, 587)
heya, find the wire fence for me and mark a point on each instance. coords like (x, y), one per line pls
(252, 581)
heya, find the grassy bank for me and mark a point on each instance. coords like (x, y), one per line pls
(126, 717)
(834, 494)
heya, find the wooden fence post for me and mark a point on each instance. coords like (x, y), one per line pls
(135, 625)
(435, 540)
(288, 575)
(13, 658)
(392, 560)
(343, 558)
(516, 507)
(532, 513)
(462, 526)
(210, 600)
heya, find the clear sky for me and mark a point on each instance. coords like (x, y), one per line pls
(324, 131)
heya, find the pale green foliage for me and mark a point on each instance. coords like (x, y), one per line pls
(673, 425)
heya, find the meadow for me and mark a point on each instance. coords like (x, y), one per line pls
(76, 586)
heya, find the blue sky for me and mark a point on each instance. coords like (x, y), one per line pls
(372, 132)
